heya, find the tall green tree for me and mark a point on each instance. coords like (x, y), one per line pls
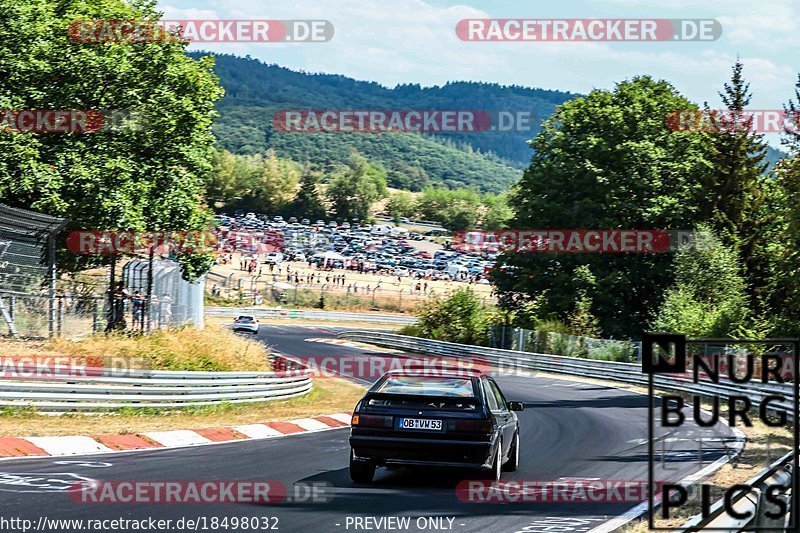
(455, 209)
(497, 212)
(781, 245)
(412, 178)
(401, 204)
(582, 320)
(269, 184)
(308, 202)
(146, 173)
(356, 187)
(735, 194)
(606, 161)
(226, 181)
(709, 297)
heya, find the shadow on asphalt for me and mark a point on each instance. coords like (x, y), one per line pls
(419, 492)
(671, 456)
(429, 478)
(625, 402)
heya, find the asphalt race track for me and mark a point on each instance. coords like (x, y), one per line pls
(569, 430)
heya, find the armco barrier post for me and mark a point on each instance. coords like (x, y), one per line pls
(52, 276)
(766, 507)
(60, 315)
(95, 317)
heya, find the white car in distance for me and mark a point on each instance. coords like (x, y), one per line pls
(274, 258)
(246, 323)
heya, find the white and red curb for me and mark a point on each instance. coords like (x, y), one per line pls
(337, 342)
(16, 447)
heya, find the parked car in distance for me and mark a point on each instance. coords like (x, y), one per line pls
(274, 258)
(246, 323)
(434, 417)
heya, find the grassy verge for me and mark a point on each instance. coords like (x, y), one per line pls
(214, 348)
(187, 348)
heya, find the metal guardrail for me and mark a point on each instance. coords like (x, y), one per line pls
(629, 373)
(753, 503)
(310, 314)
(61, 389)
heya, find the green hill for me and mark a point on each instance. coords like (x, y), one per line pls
(489, 160)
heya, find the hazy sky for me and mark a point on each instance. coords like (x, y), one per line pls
(397, 41)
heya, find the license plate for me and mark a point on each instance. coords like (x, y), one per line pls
(420, 423)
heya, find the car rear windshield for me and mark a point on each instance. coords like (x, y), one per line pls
(244, 319)
(428, 386)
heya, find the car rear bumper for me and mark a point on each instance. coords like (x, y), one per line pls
(411, 451)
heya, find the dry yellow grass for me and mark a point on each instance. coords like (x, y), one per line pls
(213, 348)
(329, 396)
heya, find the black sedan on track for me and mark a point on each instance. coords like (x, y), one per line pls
(451, 418)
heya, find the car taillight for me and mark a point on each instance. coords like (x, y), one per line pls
(372, 421)
(472, 426)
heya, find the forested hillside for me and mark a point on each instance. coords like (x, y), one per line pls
(489, 160)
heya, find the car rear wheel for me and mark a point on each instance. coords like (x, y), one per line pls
(513, 456)
(361, 471)
(494, 473)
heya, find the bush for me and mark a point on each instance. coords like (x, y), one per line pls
(709, 297)
(410, 330)
(460, 317)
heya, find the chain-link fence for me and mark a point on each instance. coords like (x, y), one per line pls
(72, 315)
(174, 302)
(36, 302)
(551, 342)
(28, 301)
(163, 299)
(326, 293)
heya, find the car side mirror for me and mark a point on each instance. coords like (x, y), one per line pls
(515, 406)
